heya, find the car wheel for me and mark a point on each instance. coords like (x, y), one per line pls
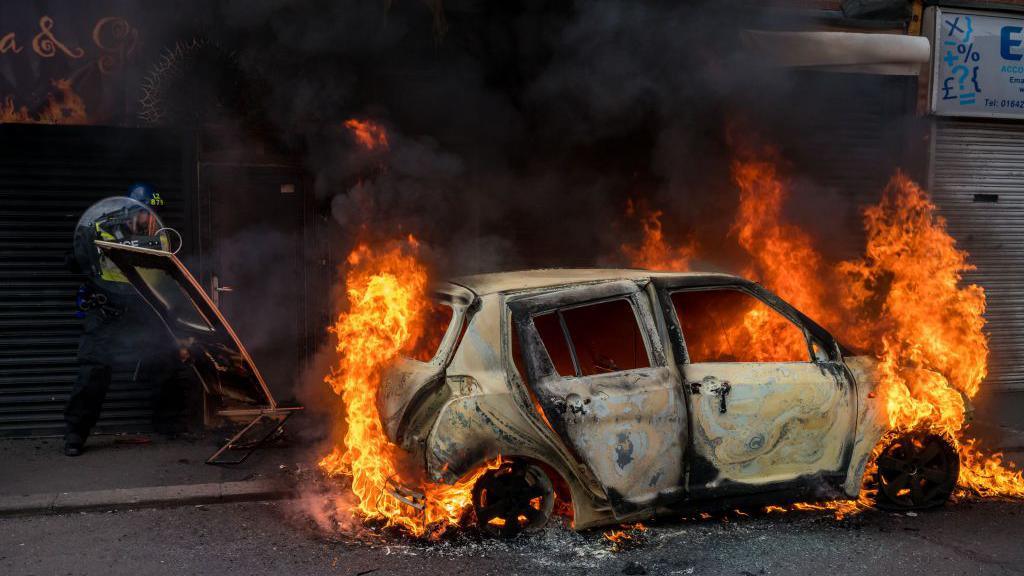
(516, 497)
(915, 471)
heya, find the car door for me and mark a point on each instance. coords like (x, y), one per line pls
(227, 371)
(770, 403)
(595, 365)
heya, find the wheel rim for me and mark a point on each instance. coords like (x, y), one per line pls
(517, 497)
(917, 471)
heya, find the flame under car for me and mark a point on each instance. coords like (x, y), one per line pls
(631, 394)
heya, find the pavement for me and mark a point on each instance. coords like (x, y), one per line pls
(280, 537)
(137, 504)
(135, 471)
(131, 471)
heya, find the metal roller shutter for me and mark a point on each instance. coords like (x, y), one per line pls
(977, 180)
(48, 176)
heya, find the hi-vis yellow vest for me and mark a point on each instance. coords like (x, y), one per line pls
(108, 270)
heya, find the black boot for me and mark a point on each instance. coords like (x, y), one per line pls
(73, 444)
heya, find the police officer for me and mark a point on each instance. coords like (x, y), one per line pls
(117, 323)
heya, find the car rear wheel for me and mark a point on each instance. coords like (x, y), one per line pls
(516, 497)
(915, 471)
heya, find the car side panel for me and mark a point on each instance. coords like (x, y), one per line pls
(476, 428)
(781, 421)
(471, 430)
(629, 427)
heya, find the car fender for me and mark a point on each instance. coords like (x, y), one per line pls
(473, 430)
(872, 421)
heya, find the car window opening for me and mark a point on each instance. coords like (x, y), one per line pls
(593, 339)
(733, 326)
(553, 335)
(606, 337)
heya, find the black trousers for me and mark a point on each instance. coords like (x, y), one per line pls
(162, 370)
(86, 401)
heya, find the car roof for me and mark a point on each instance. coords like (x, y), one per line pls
(519, 280)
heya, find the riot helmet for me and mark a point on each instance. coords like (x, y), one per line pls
(116, 219)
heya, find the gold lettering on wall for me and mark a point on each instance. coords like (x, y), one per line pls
(46, 44)
(116, 39)
(8, 43)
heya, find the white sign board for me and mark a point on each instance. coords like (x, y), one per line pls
(977, 64)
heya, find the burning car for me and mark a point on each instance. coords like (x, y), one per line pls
(632, 393)
(610, 395)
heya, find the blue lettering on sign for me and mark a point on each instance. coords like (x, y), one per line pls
(962, 60)
(950, 58)
(954, 26)
(1008, 42)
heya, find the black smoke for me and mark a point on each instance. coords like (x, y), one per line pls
(518, 130)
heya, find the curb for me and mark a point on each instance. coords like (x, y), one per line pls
(146, 497)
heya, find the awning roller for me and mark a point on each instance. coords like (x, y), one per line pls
(891, 54)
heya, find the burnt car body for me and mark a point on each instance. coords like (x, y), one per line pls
(592, 381)
(602, 387)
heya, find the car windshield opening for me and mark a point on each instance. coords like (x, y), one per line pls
(733, 326)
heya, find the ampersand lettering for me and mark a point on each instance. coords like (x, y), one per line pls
(46, 44)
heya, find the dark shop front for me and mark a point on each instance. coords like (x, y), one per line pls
(91, 109)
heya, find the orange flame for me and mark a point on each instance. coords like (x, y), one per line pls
(67, 108)
(839, 508)
(933, 350)
(629, 536)
(904, 299)
(783, 258)
(654, 252)
(387, 302)
(782, 255)
(934, 353)
(987, 474)
(368, 134)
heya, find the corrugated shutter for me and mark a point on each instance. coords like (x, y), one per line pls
(48, 176)
(977, 180)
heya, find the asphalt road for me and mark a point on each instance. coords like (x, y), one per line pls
(279, 538)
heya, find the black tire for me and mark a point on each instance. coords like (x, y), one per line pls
(516, 497)
(916, 471)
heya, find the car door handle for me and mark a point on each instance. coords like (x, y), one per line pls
(722, 391)
(217, 290)
(712, 385)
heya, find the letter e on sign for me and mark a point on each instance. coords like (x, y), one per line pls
(1009, 38)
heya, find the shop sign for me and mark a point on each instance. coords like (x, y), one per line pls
(977, 64)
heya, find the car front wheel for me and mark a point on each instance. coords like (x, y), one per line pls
(916, 470)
